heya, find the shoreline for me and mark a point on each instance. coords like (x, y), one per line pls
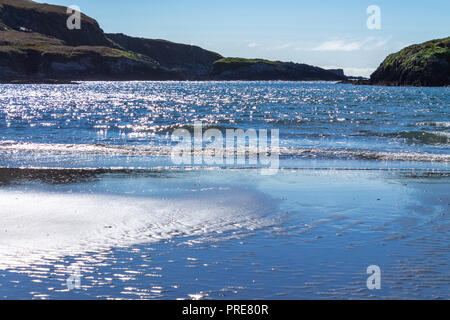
(77, 81)
(58, 81)
(385, 84)
(38, 81)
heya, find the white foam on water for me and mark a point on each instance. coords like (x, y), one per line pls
(14, 147)
(42, 227)
(444, 124)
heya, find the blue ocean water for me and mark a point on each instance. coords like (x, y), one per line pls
(86, 179)
(316, 120)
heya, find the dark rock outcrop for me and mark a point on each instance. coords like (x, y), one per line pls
(258, 69)
(339, 72)
(426, 64)
(191, 61)
(50, 20)
(28, 56)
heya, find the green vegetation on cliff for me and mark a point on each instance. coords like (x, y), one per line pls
(418, 55)
(242, 61)
(22, 42)
(426, 64)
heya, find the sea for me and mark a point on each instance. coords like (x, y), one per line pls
(94, 205)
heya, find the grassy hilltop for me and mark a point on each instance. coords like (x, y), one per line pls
(426, 64)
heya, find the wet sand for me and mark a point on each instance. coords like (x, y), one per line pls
(226, 234)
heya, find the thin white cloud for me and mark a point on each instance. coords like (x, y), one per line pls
(338, 45)
(270, 45)
(253, 45)
(368, 43)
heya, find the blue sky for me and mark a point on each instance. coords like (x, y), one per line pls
(323, 33)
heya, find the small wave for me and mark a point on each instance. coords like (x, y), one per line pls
(284, 152)
(423, 137)
(168, 128)
(367, 155)
(441, 124)
(52, 148)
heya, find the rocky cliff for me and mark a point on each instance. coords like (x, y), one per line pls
(426, 64)
(191, 62)
(32, 56)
